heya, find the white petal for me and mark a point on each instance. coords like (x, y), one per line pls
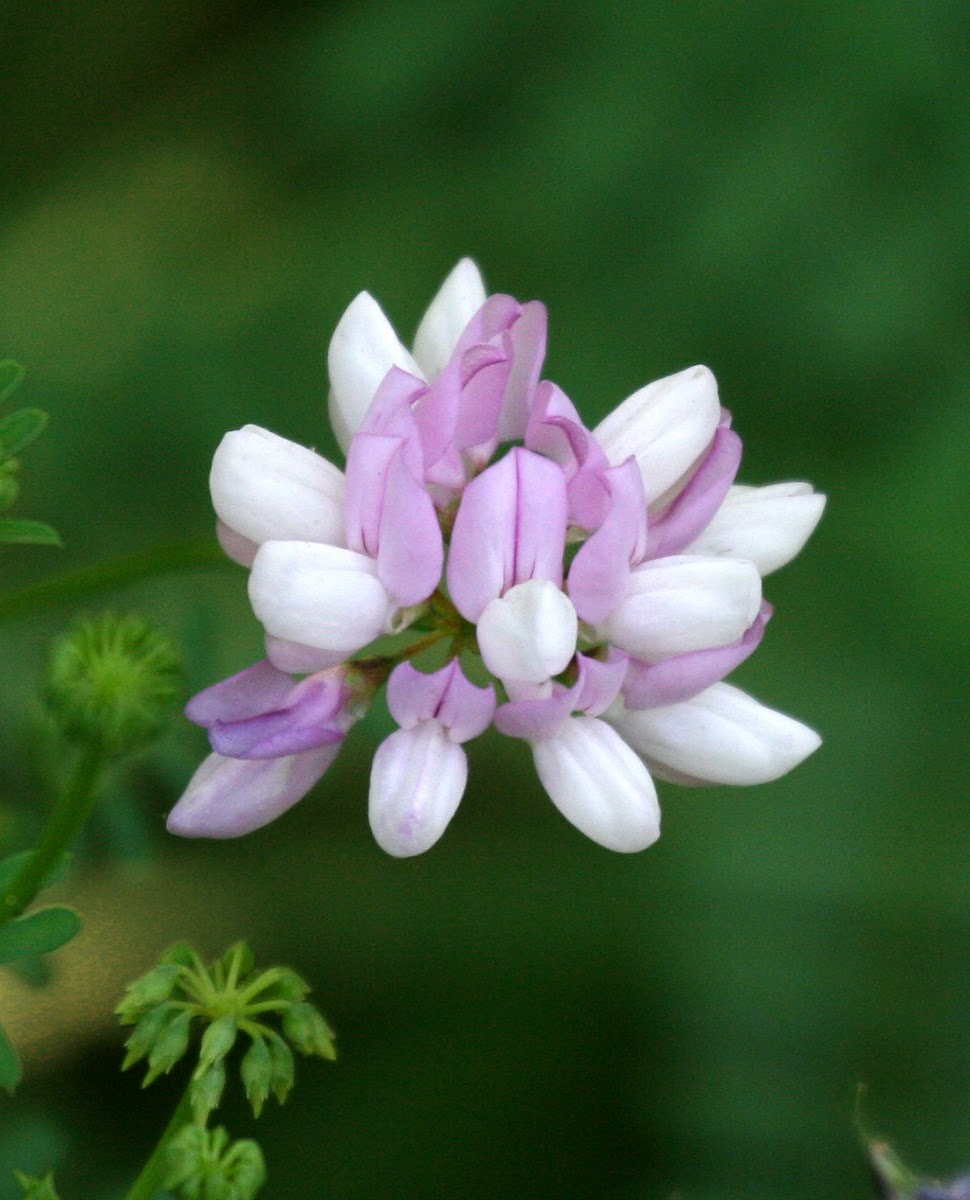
(721, 736)
(460, 296)
(269, 489)
(682, 603)
(319, 595)
(529, 634)
(598, 783)
(767, 525)
(666, 426)
(416, 784)
(363, 349)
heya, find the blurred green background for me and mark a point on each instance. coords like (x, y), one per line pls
(192, 192)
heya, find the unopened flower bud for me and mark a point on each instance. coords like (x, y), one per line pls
(113, 680)
(203, 1164)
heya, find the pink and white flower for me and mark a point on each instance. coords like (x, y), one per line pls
(608, 579)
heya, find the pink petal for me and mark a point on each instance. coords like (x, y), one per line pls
(510, 527)
(600, 572)
(227, 797)
(446, 696)
(692, 511)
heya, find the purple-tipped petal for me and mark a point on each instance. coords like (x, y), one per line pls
(600, 574)
(684, 676)
(446, 696)
(597, 686)
(228, 797)
(510, 527)
(240, 549)
(417, 781)
(259, 689)
(297, 659)
(694, 508)
(314, 713)
(556, 430)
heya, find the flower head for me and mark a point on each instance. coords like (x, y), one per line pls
(607, 579)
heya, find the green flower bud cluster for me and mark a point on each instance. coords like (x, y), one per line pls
(203, 1164)
(232, 998)
(112, 681)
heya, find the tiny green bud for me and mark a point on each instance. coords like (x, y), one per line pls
(283, 1069)
(287, 985)
(113, 681)
(308, 1031)
(217, 1041)
(170, 1045)
(148, 991)
(256, 1071)
(146, 1031)
(207, 1091)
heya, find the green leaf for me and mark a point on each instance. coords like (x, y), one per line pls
(10, 1072)
(19, 429)
(28, 533)
(11, 867)
(36, 1188)
(42, 931)
(11, 374)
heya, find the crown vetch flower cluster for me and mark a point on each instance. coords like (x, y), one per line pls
(608, 579)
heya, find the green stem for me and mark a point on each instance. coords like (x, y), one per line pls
(67, 819)
(192, 554)
(152, 1174)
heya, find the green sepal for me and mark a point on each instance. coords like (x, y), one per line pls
(170, 1044)
(256, 1071)
(28, 533)
(36, 1188)
(11, 373)
(308, 1031)
(11, 1072)
(11, 867)
(207, 1091)
(41, 932)
(18, 429)
(180, 955)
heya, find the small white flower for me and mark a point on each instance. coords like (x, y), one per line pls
(599, 784)
(766, 525)
(265, 488)
(721, 736)
(666, 426)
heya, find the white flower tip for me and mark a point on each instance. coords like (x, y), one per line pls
(529, 634)
(458, 299)
(364, 347)
(417, 781)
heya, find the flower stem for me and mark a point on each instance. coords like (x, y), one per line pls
(67, 819)
(192, 554)
(152, 1173)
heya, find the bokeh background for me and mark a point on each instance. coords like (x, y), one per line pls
(191, 194)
